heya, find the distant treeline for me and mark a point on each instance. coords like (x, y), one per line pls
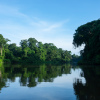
(32, 51)
(89, 35)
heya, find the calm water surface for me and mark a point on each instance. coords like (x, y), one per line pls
(48, 82)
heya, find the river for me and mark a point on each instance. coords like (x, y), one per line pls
(49, 82)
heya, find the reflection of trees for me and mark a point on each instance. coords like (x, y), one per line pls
(3, 78)
(2, 83)
(31, 75)
(91, 89)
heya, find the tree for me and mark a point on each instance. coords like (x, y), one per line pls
(66, 56)
(3, 41)
(51, 50)
(32, 51)
(42, 51)
(24, 44)
(32, 42)
(89, 34)
(25, 48)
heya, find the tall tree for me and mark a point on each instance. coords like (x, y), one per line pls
(89, 34)
(32, 42)
(3, 41)
(24, 44)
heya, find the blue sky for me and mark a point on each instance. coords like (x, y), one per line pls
(48, 21)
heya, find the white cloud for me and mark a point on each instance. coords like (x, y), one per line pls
(22, 26)
(11, 11)
(50, 28)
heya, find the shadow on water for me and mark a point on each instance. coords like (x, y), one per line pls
(91, 89)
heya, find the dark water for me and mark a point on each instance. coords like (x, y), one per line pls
(48, 82)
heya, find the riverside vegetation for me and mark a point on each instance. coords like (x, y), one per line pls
(89, 35)
(32, 51)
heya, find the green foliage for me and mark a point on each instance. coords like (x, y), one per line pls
(32, 51)
(89, 34)
(1, 60)
(23, 44)
(3, 42)
(32, 43)
(7, 60)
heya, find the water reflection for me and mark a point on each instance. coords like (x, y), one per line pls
(91, 89)
(76, 83)
(30, 75)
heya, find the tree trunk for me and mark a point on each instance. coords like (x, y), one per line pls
(0, 74)
(1, 51)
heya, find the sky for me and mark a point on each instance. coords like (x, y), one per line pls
(48, 21)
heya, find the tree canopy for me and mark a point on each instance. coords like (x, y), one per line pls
(33, 51)
(89, 34)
